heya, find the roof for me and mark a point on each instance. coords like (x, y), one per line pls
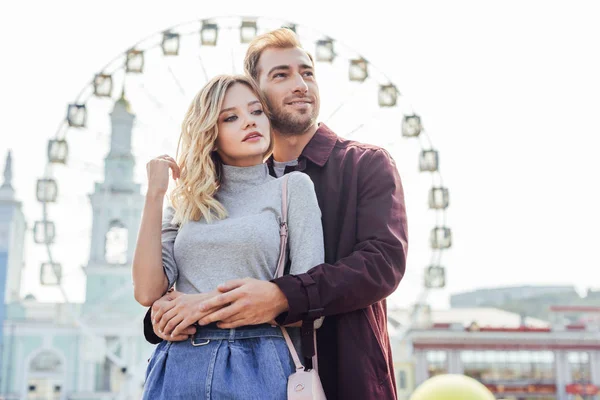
(483, 317)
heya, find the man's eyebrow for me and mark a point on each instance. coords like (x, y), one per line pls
(233, 108)
(287, 67)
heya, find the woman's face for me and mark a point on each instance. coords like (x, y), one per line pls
(244, 129)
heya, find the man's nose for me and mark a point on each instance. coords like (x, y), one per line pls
(300, 85)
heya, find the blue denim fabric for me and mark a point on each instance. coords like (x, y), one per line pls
(245, 363)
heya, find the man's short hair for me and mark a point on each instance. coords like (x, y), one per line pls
(282, 38)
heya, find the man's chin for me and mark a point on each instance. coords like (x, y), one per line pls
(292, 124)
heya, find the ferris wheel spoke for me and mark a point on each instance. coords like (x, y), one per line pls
(177, 82)
(159, 106)
(346, 100)
(363, 124)
(203, 68)
(233, 68)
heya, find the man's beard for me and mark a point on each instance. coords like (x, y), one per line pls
(290, 124)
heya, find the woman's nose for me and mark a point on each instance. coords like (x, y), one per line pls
(250, 121)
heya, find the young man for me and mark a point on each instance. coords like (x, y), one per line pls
(364, 223)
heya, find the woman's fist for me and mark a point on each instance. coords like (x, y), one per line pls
(157, 170)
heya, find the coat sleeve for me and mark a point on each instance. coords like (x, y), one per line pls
(375, 267)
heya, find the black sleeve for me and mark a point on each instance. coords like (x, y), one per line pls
(148, 331)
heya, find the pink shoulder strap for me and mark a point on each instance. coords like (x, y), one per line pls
(283, 234)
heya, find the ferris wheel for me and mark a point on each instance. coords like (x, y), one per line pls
(158, 77)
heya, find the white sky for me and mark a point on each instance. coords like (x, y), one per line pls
(508, 92)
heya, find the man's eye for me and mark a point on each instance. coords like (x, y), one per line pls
(230, 119)
(279, 75)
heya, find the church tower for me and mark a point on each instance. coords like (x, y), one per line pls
(12, 238)
(117, 207)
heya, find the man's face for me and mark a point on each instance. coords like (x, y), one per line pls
(286, 77)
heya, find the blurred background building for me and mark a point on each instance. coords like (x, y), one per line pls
(516, 357)
(64, 350)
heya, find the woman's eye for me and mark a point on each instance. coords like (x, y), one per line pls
(230, 119)
(257, 112)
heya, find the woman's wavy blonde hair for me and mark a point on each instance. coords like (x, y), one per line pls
(193, 197)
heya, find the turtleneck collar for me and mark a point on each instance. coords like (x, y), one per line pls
(240, 178)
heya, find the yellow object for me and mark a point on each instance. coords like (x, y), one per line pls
(452, 387)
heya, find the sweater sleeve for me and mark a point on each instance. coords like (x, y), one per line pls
(306, 246)
(168, 235)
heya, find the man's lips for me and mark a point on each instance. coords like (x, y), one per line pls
(299, 101)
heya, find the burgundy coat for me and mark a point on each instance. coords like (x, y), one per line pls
(364, 224)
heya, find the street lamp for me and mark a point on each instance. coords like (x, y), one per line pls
(358, 71)
(46, 190)
(50, 274)
(135, 61)
(325, 51)
(170, 43)
(44, 232)
(388, 95)
(291, 27)
(58, 151)
(103, 85)
(439, 198)
(248, 31)
(429, 161)
(209, 33)
(435, 277)
(441, 238)
(76, 115)
(411, 126)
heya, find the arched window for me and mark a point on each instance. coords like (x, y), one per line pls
(116, 244)
(45, 376)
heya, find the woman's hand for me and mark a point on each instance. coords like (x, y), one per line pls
(159, 307)
(173, 318)
(157, 170)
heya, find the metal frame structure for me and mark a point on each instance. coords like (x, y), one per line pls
(131, 61)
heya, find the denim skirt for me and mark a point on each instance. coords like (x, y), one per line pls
(251, 362)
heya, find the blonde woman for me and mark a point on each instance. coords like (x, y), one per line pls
(223, 224)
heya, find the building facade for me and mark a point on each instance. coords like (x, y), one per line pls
(496, 297)
(515, 358)
(88, 351)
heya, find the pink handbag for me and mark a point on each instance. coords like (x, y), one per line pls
(303, 384)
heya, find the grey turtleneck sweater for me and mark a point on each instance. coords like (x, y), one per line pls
(199, 256)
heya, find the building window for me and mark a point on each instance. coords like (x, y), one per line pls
(116, 243)
(46, 362)
(111, 377)
(45, 376)
(489, 366)
(579, 364)
(402, 379)
(437, 362)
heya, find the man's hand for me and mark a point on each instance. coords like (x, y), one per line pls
(173, 318)
(244, 302)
